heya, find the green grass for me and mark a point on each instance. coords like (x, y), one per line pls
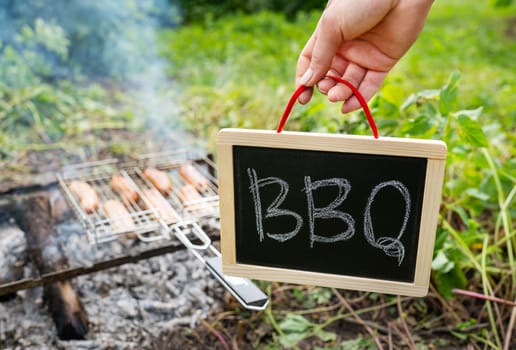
(469, 37)
(457, 83)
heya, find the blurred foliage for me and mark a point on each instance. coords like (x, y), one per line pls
(234, 77)
(38, 114)
(201, 10)
(105, 38)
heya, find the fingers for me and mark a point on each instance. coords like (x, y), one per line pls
(368, 87)
(305, 96)
(325, 47)
(353, 74)
(338, 67)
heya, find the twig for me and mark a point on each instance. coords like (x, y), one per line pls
(453, 329)
(403, 337)
(389, 335)
(488, 289)
(359, 312)
(412, 344)
(215, 333)
(320, 309)
(483, 296)
(359, 320)
(510, 328)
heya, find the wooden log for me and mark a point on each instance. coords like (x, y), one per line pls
(34, 216)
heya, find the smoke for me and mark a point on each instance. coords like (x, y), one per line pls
(106, 41)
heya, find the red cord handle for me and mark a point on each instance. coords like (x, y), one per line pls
(355, 91)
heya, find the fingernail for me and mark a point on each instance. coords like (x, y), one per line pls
(306, 77)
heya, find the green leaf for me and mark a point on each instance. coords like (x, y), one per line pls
(429, 94)
(411, 100)
(448, 94)
(295, 324)
(441, 263)
(393, 94)
(476, 193)
(418, 126)
(290, 339)
(472, 113)
(325, 336)
(357, 344)
(471, 132)
(446, 282)
(500, 3)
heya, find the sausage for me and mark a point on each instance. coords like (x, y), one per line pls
(119, 216)
(188, 194)
(88, 198)
(156, 201)
(194, 177)
(159, 179)
(124, 188)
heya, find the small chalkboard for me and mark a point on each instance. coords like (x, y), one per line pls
(330, 210)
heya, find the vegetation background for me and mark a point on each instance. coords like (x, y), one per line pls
(77, 77)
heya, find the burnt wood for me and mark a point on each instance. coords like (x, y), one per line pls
(34, 216)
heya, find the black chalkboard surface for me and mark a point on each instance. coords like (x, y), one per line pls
(344, 211)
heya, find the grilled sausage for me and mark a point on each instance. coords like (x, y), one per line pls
(88, 198)
(154, 200)
(124, 188)
(119, 216)
(188, 194)
(194, 177)
(159, 179)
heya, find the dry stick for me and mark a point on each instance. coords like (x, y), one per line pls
(405, 326)
(389, 335)
(215, 333)
(510, 328)
(320, 309)
(483, 296)
(400, 333)
(359, 320)
(496, 290)
(486, 297)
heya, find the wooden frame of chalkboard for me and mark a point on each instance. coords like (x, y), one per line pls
(270, 231)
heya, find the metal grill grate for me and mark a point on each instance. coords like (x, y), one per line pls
(148, 226)
(151, 221)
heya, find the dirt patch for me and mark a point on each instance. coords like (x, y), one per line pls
(511, 28)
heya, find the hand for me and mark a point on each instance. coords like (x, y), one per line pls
(359, 41)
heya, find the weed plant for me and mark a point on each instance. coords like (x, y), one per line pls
(457, 84)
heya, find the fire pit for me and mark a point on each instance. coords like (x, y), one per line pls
(161, 290)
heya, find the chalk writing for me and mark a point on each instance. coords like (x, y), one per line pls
(391, 246)
(273, 209)
(329, 211)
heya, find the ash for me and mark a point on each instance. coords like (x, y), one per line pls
(129, 307)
